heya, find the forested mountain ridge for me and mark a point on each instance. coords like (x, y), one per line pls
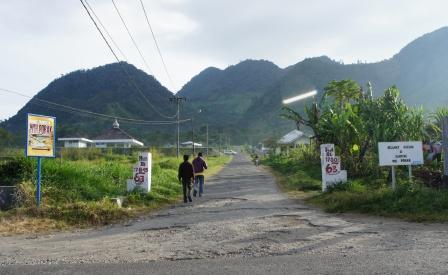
(243, 100)
(107, 90)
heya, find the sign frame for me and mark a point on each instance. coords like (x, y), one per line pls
(27, 153)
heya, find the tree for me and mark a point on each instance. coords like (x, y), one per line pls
(343, 91)
(6, 138)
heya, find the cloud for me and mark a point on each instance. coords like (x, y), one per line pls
(43, 39)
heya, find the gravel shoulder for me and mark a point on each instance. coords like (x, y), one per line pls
(242, 221)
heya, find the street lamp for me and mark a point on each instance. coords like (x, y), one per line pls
(300, 97)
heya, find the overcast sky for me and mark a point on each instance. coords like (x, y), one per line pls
(42, 39)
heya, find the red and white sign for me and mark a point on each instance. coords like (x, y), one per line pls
(331, 167)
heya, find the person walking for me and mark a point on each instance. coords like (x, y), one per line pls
(199, 166)
(186, 176)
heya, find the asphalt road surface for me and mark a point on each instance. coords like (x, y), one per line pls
(243, 225)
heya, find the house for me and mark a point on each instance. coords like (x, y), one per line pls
(292, 140)
(112, 138)
(190, 144)
(76, 142)
(116, 138)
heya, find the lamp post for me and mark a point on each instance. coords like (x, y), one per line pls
(300, 97)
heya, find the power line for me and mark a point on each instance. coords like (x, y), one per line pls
(130, 36)
(157, 46)
(123, 68)
(104, 28)
(74, 110)
(99, 30)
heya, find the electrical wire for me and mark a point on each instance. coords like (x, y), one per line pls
(105, 30)
(131, 37)
(157, 46)
(137, 88)
(78, 111)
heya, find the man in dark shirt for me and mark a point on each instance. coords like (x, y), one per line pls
(186, 175)
(199, 166)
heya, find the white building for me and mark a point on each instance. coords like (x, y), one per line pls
(76, 142)
(292, 140)
(112, 138)
(190, 144)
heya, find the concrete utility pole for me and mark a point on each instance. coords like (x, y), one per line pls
(445, 150)
(178, 100)
(206, 139)
(192, 135)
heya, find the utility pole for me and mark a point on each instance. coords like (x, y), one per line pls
(219, 148)
(206, 139)
(178, 100)
(192, 135)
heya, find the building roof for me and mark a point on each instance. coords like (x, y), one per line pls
(191, 143)
(114, 133)
(75, 139)
(291, 137)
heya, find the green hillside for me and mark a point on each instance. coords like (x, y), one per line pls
(241, 102)
(106, 89)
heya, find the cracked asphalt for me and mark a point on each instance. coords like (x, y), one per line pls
(242, 225)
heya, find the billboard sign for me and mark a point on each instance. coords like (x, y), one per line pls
(41, 136)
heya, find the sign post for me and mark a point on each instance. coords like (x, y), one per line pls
(141, 173)
(331, 167)
(400, 153)
(40, 142)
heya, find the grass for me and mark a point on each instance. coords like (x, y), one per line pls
(77, 191)
(412, 201)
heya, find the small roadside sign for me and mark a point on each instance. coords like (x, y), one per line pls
(400, 153)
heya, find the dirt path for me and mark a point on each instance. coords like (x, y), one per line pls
(242, 214)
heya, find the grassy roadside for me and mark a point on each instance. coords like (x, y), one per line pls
(77, 192)
(411, 201)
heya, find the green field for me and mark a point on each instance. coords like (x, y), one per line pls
(78, 190)
(300, 176)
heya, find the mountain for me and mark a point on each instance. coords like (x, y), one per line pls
(242, 101)
(224, 96)
(419, 70)
(107, 90)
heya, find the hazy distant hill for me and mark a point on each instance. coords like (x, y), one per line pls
(242, 100)
(420, 70)
(224, 96)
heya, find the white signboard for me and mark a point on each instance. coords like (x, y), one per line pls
(400, 153)
(331, 167)
(141, 173)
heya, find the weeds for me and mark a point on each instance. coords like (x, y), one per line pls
(78, 192)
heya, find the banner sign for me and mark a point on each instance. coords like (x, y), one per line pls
(40, 140)
(141, 173)
(400, 153)
(331, 167)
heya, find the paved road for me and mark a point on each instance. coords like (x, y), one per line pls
(243, 225)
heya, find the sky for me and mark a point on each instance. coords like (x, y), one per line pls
(44, 39)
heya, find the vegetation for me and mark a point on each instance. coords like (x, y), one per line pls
(243, 100)
(355, 122)
(78, 192)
